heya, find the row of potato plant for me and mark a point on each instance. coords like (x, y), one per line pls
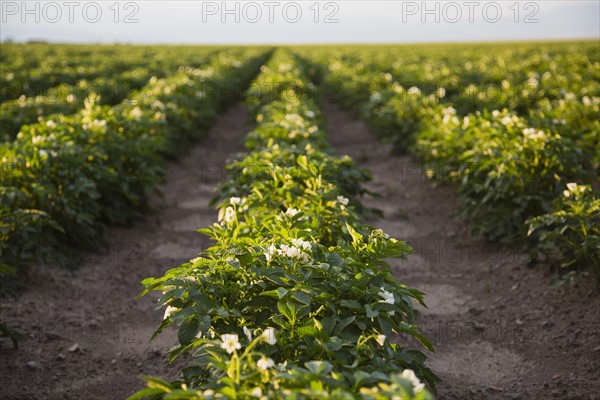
(32, 69)
(295, 300)
(68, 99)
(514, 164)
(516, 76)
(110, 87)
(65, 178)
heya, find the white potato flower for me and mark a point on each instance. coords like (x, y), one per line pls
(387, 297)
(532, 134)
(265, 363)
(268, 336)
(271, 251)
(409, 375)
(292, 252)
(294, 118)
(291, 212)
(302, 244)
(380, 339)
(449, 111)
(247, 333)
(466, 121)
(135, 113)
(170, 310)
(230, 342)
(528, 131)
(229, 214)
(342, 200)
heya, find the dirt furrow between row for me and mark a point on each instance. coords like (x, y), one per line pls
(499, 330)
(87, 335)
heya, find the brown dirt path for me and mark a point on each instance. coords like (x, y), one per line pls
(94, 307)
(500, 332)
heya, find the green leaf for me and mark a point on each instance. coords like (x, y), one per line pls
(385, 326)
(301, 297)
(328, 325)
(281, 292)
(356, 237)
(157, 383)
(308, 330)
(188, 331)
(302, 311)
(147, 392)
(229, 392)
(319, 367)
(283, 308)
(370, 312)
(351, 304)
(344, 323)
(334, 344)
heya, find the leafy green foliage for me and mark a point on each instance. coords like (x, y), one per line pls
(508, 170)
(295, 299)
(570, 233)
(64, 178)
(511, 126)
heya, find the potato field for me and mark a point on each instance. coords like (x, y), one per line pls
(300, 222)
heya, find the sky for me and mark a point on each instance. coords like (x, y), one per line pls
(293, 22)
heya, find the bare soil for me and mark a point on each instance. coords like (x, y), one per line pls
(95, 306)
(499, 330)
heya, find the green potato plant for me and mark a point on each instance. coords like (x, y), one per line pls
(65, 178)
(511, 127)
(296, 298)
(570, 233)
